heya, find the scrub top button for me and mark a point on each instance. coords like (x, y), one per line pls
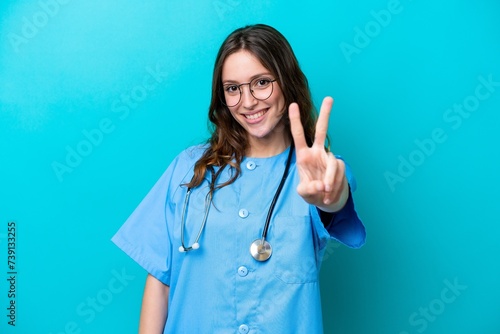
(243, 213)
(242, 271)
(251, 165)
(243, 329)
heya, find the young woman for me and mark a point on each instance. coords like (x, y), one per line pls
(232, 235)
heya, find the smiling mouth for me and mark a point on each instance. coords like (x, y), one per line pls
(256, 115)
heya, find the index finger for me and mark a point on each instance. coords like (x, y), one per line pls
(322, 124)
(296, 126)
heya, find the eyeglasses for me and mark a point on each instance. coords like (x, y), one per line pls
(261, 89)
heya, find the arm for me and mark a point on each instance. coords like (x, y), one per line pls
(154, 306)
(323, 180)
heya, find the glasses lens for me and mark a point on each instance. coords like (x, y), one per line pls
(232, 95)
(262, 88)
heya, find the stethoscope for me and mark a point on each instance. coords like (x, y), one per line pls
(260, 249)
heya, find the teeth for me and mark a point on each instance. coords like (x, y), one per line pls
(256, 115)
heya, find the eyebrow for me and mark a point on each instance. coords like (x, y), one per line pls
(226, 82)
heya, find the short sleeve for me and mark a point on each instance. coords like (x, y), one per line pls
(144, 235)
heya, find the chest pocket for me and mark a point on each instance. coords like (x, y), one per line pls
(294, 253)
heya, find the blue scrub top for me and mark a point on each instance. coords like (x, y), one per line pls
(220, 287)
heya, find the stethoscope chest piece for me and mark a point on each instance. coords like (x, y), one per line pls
(261, 251)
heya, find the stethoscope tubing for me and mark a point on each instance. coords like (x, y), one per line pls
(277, 194)
(208, 201)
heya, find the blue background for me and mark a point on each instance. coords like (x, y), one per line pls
(67, 69)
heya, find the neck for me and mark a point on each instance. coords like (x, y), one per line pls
(265, 149)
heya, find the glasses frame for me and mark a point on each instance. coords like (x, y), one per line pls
(223, 97)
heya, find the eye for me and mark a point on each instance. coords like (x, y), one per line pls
(231, 89)
(262, 82)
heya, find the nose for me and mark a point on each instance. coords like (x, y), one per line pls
(248, 100)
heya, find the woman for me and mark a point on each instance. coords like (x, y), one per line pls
(233, 233)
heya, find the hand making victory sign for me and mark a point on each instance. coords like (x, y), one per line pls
(322, 176)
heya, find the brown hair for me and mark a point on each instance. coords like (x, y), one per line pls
(228, 142)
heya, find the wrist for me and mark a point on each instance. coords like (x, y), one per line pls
(340, 203)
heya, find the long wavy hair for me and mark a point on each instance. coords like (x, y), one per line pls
(229, 142)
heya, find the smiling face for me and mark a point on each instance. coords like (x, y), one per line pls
(262, 119)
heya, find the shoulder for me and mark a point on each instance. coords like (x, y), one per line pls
(184, 162)
(190, 154)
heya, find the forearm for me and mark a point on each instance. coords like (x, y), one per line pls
(154, 307)
(345, 225)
